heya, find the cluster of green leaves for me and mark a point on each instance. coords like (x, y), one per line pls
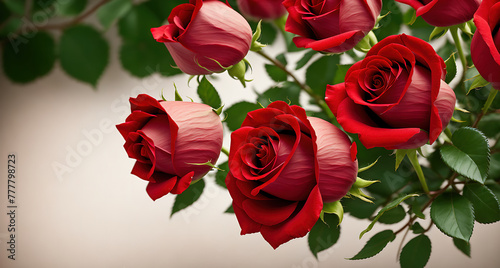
(31, 48)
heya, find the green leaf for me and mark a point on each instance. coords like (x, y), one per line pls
(375, 245)
(323, 235)
(360, 209)
(446, 50)
(394, 203)
(485, 203)
(145, 57)
(495, 166)
(305, 59)
(489, 125)
(321, 72)
(11, 26)
(4, 13)
(136, 24)
(462, 246)
(469, 155)
(15, 6)
(188, 197)
(25, 60)
(287, 92)
(478, 82)
(220, 176)
(83, 53)
(453, 215)
(417, 228)
(421, 29)
(237, 113)
(208, 94)
(276, 73)
(71, 7)
(416, 252)
(229, 209)
(393, 216)
(112, 11)
(390, 24)
(451, 68)
(341, 72)
(163, 8)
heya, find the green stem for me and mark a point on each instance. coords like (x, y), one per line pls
(458, 44)
(487, 104)
(448, 133)
(319, 100)
(225, 151)
(412, 155)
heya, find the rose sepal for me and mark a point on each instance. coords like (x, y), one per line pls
(332, 208)
(367, 42)
(256, 46)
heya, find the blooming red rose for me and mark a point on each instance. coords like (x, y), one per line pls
(331, 26)
(443, 13)
(168, 139)
(485, 46)
(262, 9)
(396, 97)
(205, 35)
(282, 167)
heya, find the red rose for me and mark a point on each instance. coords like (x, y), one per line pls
(167, 138)
(396, 97)
(205, 35)
(485, 46)
(331, 26)
(443, 13)
(282, 167)
(258, 9)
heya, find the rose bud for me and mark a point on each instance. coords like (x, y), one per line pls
(485, 46)
(396, 97)
(282, 167)
(261, 10)
(169, 140)
(331, 26)
(205, 37)
(444, 13)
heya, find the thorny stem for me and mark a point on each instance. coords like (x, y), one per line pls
(321, 103)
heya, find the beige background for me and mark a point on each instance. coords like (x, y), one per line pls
(96, 214)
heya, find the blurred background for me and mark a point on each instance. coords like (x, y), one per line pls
(77, 203)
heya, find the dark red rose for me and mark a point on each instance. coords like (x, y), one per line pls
(205, 35)
(283, 166)
(262, 10)
(443, 13)
(396, 97)
(485, 46)
(331, 26)
(167, 138)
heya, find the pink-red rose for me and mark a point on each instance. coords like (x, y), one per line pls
(443, 13)
(168, 139)
(259, 9)
(396, 97)
(205, 36)
(485, 46)
(331, 26)
(282, 166)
